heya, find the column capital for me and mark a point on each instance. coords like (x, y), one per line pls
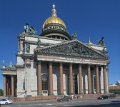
(39, 62)
(104, 66)
(80, 65)
(96, 65)
(50, 62)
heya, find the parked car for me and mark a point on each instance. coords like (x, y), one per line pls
(112, 95)
(74, 96)
(107, 96)
(5, 101)
(103, 97)
(64, 98)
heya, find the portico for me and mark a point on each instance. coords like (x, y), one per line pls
(9, 78)
(79, 78)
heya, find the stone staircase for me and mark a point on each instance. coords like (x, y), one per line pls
(37, 98)
(90, 96)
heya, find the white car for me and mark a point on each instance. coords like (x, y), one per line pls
(5, 101)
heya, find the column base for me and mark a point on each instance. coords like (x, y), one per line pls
(61, 94)
(80, 93)
(81, 96)
(105, 93)
(51, 95)
(71, 93)
(40, 94)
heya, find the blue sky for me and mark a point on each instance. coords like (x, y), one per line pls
(87, 18)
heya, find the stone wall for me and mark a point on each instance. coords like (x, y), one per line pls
(114, 87)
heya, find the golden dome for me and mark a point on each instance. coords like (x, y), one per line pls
(54, 19)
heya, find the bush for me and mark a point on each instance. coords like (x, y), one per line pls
(1, 92)
(115, 91)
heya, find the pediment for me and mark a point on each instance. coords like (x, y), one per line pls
(72, 48)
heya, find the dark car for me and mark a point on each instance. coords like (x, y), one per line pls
(112, 95)
(108, 96)
(103, 97)
(64, 98)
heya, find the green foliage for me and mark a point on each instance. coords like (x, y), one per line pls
(1, 92)
(117, 83)
(115, 91)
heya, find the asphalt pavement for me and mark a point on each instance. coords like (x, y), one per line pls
(76, 103)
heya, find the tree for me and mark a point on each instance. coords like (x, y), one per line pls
(117, 83)
(1, 92)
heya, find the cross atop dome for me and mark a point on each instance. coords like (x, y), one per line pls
(53, 6)
(54, 12)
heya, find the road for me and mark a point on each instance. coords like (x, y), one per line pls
(77, 103)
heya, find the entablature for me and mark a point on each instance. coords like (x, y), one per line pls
(9, 73)
(71, 60)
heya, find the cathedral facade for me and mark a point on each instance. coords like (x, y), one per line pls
(56, 63)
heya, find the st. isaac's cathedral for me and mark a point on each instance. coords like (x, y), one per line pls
(56, 63)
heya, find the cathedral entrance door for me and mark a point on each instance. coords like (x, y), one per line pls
(44, 84)
(75, 84)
